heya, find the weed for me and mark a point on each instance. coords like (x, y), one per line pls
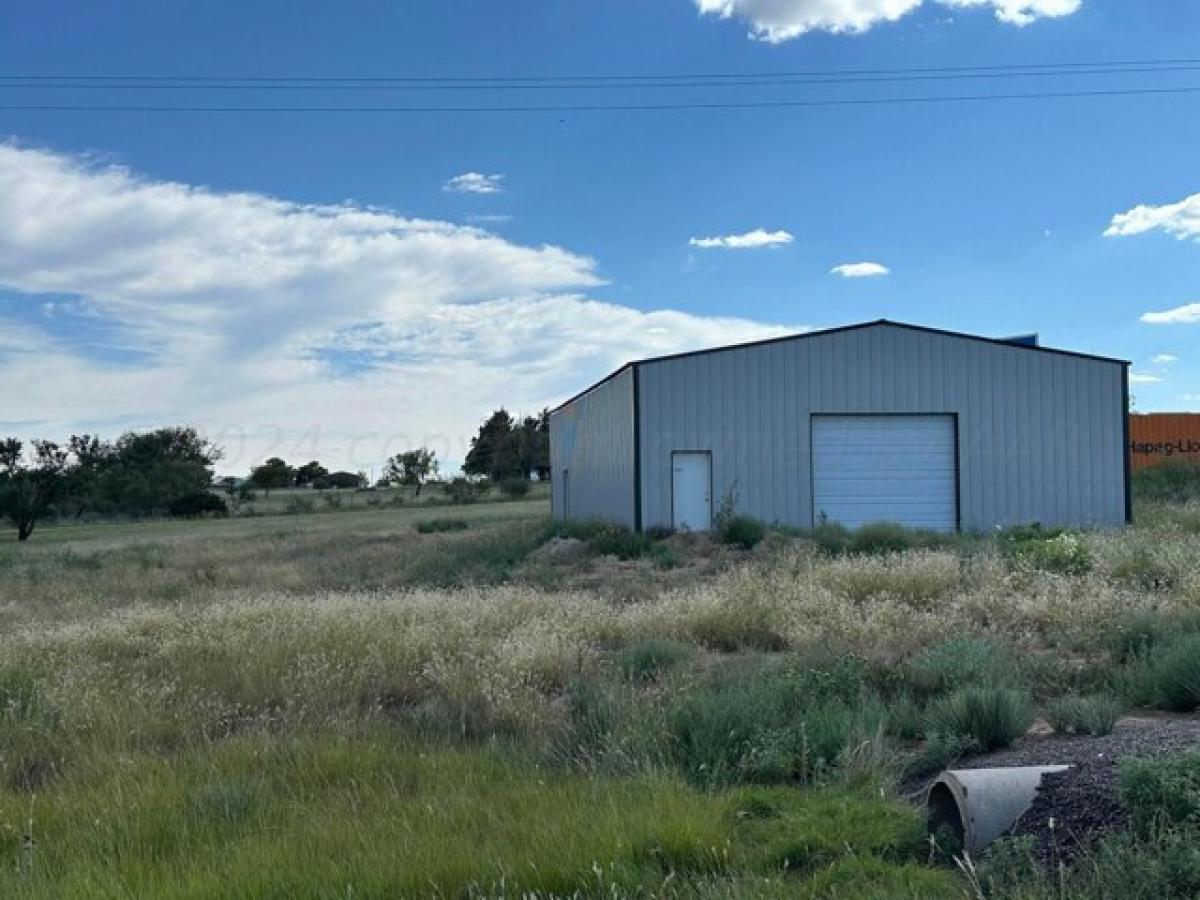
(1047, 550)
(938, 752)
(991, 717)
(1166, 675)
(648, 659)
(1163, 791)
(1094, 715)
(514, 487)
(741, 531)
(961, 662)
(437, 526)
(299, 506)
(621, 542)
(1174, 482)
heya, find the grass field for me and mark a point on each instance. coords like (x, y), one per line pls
(347, 705)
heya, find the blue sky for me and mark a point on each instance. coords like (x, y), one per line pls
(320, 284)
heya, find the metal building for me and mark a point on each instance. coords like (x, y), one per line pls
(874, 422)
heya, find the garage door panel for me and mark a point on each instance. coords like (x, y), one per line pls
(885, 468)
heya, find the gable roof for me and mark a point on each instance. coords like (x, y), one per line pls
(1014, 343)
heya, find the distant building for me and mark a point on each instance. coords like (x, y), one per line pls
(874, 422)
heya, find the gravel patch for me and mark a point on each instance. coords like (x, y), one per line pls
(1082, 801)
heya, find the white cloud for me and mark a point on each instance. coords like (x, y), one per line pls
(749, 241)
(1022, 12)
(254, 311)
(1143, 378)
(474, 183)
(1180, 315)
(1165, 359)
(860, 270)
(1180, 219)
(776, 21)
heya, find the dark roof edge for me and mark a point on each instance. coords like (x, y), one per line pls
(925, 329)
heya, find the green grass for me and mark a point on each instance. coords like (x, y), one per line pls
(437, 526)
(272, 706)
(373, 818)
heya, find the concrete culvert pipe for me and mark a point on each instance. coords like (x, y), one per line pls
(979, 805)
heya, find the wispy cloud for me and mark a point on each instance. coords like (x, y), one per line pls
(751, 240)
(860, 270)
(489, 219)
(776, 21)
(1143, 378)
(1165, 359)
(242, 302)
(1179, 315)
(474, 183)
(1180, 219)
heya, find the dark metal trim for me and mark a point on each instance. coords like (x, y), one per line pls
(923, 329)
(637, 450)
(711, 491)
(1125, 451)
(812, 486)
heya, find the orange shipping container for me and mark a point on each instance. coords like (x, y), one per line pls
(1157, 437)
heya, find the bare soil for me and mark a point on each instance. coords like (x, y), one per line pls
(1075, 808)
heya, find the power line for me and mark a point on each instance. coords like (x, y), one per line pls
(153, 84)
(607, 107)
(1010, 67)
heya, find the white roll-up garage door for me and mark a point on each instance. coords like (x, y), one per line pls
(885, 469)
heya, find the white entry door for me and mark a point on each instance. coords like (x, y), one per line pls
(691, 491)
(885, 469)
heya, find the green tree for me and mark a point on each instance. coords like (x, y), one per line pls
(28, 490)
(144, 472)
(309, 473)
(495, 451)
(412, 467)
(274, 473)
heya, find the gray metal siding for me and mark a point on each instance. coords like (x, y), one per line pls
(1040, 433)
(592, 436)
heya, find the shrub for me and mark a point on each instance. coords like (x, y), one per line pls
(334, 501)
(196, 504)
(1094, 715)
(1160, 791)
(464, 490)
(514, 487)
(1167, 676)
(1048, 550)
(619, 541)
(437, 526)
(992, 717)
(960, 662)
(831, 538)
(741, 531)
(884, 537)
(648, 659)
(1172, 482)
(731, 528)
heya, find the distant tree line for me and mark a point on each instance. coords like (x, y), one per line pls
(138, 474)
(506, 448)
(275, 473)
